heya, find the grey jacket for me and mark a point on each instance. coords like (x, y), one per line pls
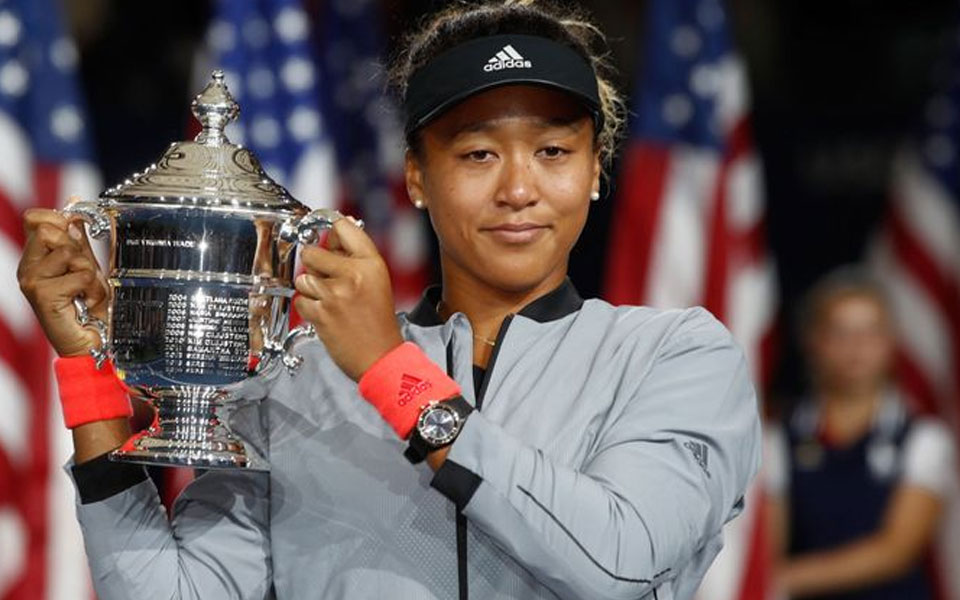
(612, 445)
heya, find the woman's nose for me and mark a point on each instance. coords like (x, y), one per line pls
(518, 187)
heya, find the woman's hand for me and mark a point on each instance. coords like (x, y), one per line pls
(58, 264)
(346, 294)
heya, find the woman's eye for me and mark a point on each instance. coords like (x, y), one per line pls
(553, 152)
(479, 155)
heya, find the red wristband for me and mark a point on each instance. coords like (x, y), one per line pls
(88, 394)
(402, 383)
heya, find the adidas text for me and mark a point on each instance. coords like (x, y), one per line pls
(508, 58)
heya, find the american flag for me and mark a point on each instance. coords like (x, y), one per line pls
(689, 226)
(917, 256)
(314, 112)
(45, 156)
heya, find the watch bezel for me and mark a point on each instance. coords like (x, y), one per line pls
(433, 442)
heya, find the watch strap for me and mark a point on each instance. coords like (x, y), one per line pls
(418, 448)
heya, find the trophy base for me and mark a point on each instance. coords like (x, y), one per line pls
(190, 430)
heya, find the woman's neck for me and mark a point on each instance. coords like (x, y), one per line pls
(486, 307)
(848, 414)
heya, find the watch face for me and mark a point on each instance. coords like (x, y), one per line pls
(438, 425)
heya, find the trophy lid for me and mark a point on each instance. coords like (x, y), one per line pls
(209, 171)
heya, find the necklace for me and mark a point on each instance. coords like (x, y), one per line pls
(487, 341)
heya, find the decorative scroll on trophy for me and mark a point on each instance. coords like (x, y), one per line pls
(202, 256)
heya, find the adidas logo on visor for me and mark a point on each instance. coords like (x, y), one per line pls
(508, 58)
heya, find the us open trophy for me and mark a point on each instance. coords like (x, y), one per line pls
(202, 257)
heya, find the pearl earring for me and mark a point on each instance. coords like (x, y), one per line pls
(418, 203)
(594, 195)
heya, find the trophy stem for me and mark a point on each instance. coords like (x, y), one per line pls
(190, 430)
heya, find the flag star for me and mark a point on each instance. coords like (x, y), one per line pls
(297, 74)
(705, 80)
(685, 41)
(677, 110)
(66, 122)
(291, 25)
(265, 132)
(304, 124)
(710, 14)
(13, 78)
(63, 54)
(222, 36)
(9, 28)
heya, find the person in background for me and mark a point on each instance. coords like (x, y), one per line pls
(857, 482)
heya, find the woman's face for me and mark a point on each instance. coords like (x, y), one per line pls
(506, 177)
(852, 343)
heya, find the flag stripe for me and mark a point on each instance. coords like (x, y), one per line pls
(941, 289)
(629, 265)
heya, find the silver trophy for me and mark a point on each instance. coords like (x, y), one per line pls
(202, 257)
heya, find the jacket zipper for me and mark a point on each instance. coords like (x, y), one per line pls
(464, 593)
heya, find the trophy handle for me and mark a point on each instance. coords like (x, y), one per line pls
(93, 214)
(290, 360)
(273, 349)
(306, 229)
(300, 230)
(105, 350)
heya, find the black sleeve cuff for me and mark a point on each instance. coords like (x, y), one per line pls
(100, 478)
(456, 483)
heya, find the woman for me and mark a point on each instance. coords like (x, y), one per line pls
(859, 483)
(572, 449)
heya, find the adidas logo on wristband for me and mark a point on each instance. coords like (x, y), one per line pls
(508, 58)
(410, 388)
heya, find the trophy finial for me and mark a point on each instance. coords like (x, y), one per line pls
(214, 107)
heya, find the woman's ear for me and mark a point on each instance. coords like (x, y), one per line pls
(413, 174)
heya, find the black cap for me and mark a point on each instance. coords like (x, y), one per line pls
(489, 62)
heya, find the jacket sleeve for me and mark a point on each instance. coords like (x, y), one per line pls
(666, 476)
(215, 546)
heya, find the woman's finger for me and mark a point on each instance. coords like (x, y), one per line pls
(96, 291)
(44, 238)
(310, 286)
(323, 262)
(78, 232)
(34, 217)
(70, 285)
(53, 264)
(307, 309)
(349, 237)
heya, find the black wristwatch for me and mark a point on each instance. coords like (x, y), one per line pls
(439, 425)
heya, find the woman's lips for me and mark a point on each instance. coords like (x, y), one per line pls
(516, 233)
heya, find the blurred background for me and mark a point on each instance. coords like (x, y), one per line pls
(770, 142)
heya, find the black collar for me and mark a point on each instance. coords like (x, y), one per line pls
(551, 306)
